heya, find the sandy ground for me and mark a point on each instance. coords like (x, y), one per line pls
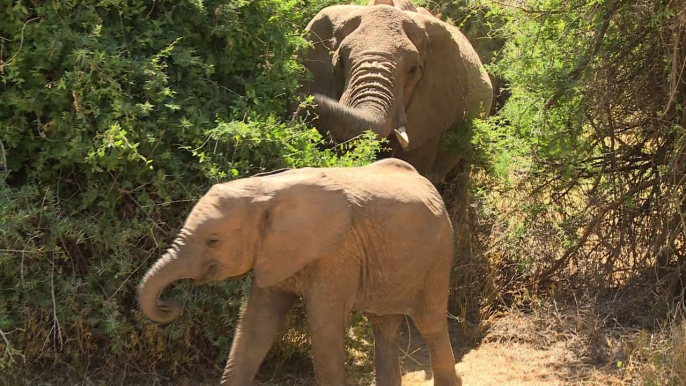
(496, 364)
(516, 355)
(501, 362)
(491, 363)
(507, 361)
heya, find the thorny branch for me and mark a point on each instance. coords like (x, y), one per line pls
(628, 191)
(545, 276)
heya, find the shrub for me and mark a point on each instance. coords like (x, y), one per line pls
(592, 141)
(116, 116)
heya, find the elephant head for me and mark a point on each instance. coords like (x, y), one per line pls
(391, 68)
(273, 225)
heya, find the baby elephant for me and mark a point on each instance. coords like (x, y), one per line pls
(374, 239)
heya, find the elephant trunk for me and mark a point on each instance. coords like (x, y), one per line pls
(368, 103)
(165, 271)
(345, 122)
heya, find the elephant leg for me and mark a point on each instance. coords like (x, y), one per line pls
(422, 157)
(447, 160)
(386, 341)
(327, 320)
(434, 330)
(430, 318)
(444, 162)
(261, 320)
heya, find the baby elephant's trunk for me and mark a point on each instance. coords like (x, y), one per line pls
(166, 270)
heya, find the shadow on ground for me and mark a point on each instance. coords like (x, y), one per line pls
(414, 353)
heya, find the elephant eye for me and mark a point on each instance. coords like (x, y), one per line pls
(212, 242)
(340, 61)
(414, 68)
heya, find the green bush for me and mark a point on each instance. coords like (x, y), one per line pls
(589, 146)
(115, 117)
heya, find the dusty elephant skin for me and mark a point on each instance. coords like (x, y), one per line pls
(394, 69)
(373, 239)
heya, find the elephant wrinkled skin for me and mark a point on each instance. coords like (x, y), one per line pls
(374, 239)
(394, 69)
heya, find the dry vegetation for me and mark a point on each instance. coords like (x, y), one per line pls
(571, 248)
(578, 246)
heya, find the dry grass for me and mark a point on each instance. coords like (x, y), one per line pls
(582, 343)
(658, 358)
(572, 343)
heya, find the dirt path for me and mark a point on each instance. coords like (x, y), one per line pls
(509, 358)
(500, 358)
(502, 364)
(486, 363)
(490, 363)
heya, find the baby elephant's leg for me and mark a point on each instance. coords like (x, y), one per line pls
(434, 330)
(430, 318)
(327, 322)
(386, 341)
(263, 317)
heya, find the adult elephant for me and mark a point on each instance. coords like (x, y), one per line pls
(393, 69)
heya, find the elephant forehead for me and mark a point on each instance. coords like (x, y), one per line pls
(382, 12)
(382, 23)
(220, 202)
(378, 17)
(205, 211)
(209, 218)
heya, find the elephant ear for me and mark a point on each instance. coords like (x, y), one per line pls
(306, 218)
(438, 100)
(319, 58)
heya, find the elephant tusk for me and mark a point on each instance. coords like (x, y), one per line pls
(402, 137)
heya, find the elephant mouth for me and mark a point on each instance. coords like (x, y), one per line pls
(205, 280)
(199, 282)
